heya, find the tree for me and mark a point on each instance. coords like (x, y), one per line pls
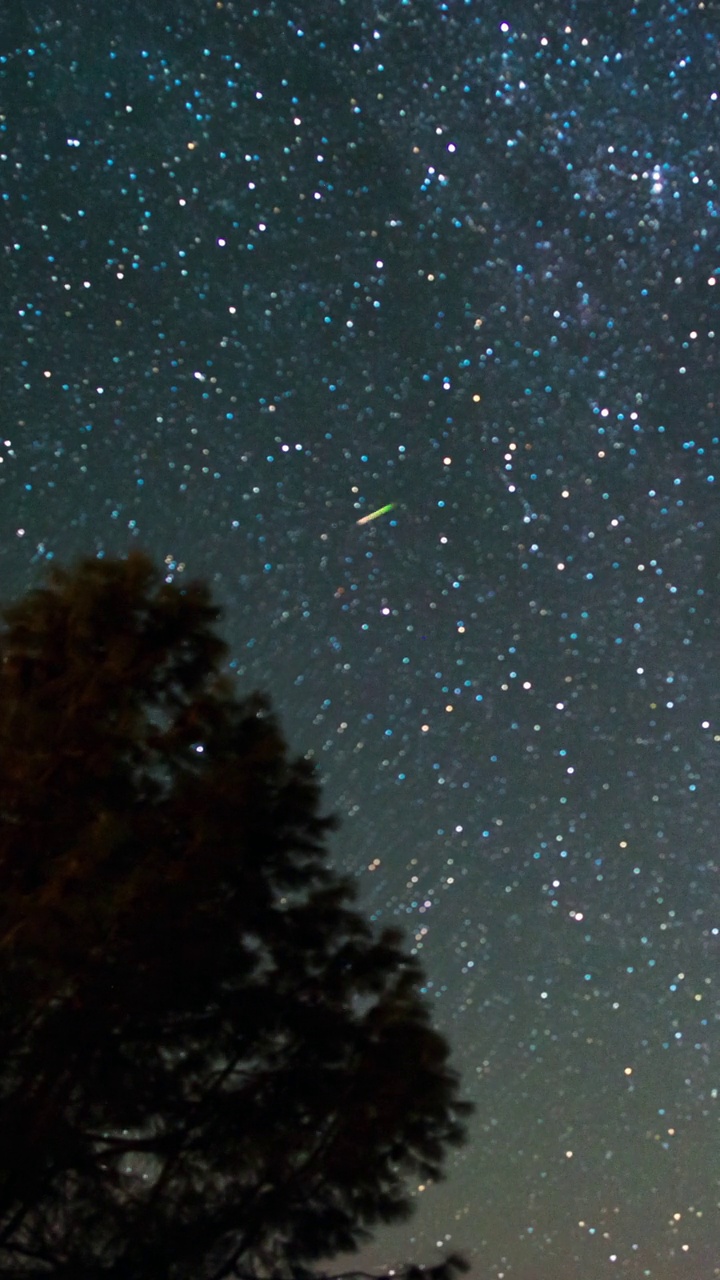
(210, 1064)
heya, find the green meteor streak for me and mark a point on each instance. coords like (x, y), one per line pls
(374, 514)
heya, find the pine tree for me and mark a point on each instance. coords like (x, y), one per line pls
(210, 1064)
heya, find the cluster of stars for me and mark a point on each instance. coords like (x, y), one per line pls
(402, 333)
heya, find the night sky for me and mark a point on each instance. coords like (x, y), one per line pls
(266, 270)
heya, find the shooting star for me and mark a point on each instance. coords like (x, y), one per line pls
(374, 514)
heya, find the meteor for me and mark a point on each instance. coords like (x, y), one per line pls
(374, 514)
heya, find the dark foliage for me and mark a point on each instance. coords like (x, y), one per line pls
(209, 1063)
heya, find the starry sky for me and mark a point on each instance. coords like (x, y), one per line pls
(267, 269)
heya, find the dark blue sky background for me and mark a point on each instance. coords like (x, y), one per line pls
(268, 269)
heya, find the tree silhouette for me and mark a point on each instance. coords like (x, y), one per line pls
(210, 1065)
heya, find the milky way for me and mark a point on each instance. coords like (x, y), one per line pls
(266, 271)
